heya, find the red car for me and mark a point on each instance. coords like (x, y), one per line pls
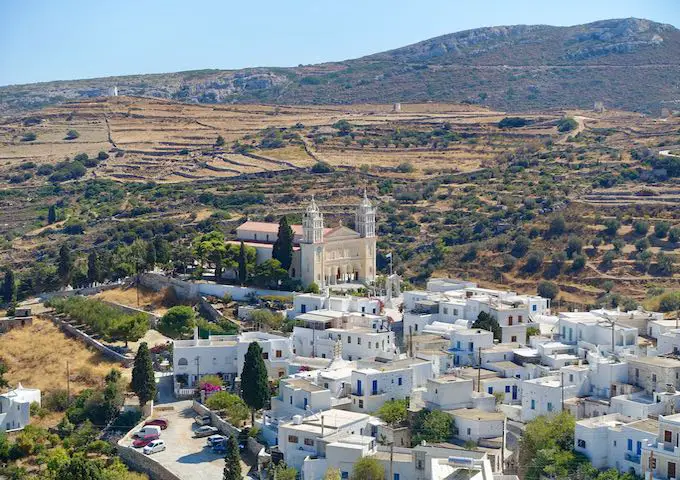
(159, 422)
(144, 441)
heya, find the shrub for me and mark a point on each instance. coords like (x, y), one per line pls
(611, 226)
(574, 246)
(674, 235)
(513, 122)
(404, 167)
(45, 169)
(56, 400)
(641, 227)
(235, 409)
(557, 226)
(72, 135)
(322, 167)
(29, 137)
(521, 246)
(534, 261)
(566, 125)
(669, 302)
(661, 229)
(102, 155)
(548, 289)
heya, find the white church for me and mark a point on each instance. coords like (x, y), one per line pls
(326, 256)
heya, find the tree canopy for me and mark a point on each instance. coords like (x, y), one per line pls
(254, 379)
(487, 322)
(177, 322)
(368, 468)
(232, 461)
(143, 380)
(394, 412)
(283, 246)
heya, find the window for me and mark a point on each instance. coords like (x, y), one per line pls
(369, 344)
(396, 476)
(519, 318)
(416, 327)
(281, 373)
(550, 407)
(581, 443)
(507, 389)
(630, 444)
(571, 377)
(455, 311)
(419, 464)
(292, 439)
(359, 341)
(533, 404)
(490, 390)
(509, 319)
(349, 339)
(182, 362)
(513, 338)
(637, 373)
(667, 436)
(653, 377)
(265, 355)
(363, 309)
(255, 236)
(533, 308)
(309, 441)
(344, 475)
(361, 404)
(291, 400)
(469, 431)
(399, 381)
(278, 354)
(323, 355)
(446, 311)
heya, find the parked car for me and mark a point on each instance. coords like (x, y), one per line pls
(212, 439)
(144, 441)
(203, 419)
(154, 447)
(147, 430)
(159, 422)
(205, 431)
(220, 446)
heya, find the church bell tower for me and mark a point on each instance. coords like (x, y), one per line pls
(312, 224)
(365, 218)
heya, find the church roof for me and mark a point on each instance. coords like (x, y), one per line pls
(272, 227)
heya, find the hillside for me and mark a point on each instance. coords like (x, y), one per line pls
(630, 64)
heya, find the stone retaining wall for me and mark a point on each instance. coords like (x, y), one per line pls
(84, 337)
(225, 427)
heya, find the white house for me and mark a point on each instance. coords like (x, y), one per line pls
(665, 449)
(361, 335)
(614, 441)
(224, 355)
(543, 396)
(475, 425)
(466, 344)
(592, 332)
(375, 383)
(310, 302)
(304, 437)
(15, 407)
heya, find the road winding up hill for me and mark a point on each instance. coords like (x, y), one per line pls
(631, 64)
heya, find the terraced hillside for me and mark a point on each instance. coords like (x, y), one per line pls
(578, 198)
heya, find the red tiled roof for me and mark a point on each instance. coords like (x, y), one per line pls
(272, 227)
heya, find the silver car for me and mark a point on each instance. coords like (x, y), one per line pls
(205, 431)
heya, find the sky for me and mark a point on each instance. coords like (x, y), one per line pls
(43, 40)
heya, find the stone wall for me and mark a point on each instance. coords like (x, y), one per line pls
(225, 427)
(139, 462)
(80, 291)
(192, 291)
(84, 337)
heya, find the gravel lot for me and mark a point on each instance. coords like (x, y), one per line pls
(185, 456)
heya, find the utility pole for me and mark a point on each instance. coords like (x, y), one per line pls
(479, 371)
(68, 383)
(562, 388)
(198, 369)
(137, 282)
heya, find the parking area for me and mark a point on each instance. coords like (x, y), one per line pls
(185, 456)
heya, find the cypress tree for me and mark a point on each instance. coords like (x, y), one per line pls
(150, 256)
(143, 381)
(242, 264)
(232, 461)
(283, 247)
(254, 380)
(9, 287)
(93, 267)
(52, 215)
(65, 266)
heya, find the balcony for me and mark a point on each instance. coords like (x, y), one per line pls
(631, 457)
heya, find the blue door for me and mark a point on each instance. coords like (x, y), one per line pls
(359, 388)
(514, 392)
(375, 387)
(303, 308)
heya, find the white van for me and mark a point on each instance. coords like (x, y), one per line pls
(148, 430)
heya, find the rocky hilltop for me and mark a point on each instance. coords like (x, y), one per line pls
(632, 64)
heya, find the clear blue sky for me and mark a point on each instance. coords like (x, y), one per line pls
(43, 40)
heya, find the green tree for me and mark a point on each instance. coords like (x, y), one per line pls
(531, 331)
(566, 125)
(242, 264)
(3, 381)
(557, 226)
(521, 246)
(661, 229)
(162, 247)
(611, 226)
(232, 461)
(574, 246)
(432, 426)
(94, 273)
(394, 412)
(52, 214)
(220, 141)
(283, 246)
(664, 264)
(72, 135)
(548, 289)
(534, 261)
(9, 287)
(641, 227)
(312, 288)
(545, 433)
(80, 468)
(65, 264)
(265, 317)
(234, 407)
(674, 235)
(487, 322)
(143, 380)
(368, 468)
(579, 263)
(177, 322)
(270, 274)
(130, 328)
(254, 380)
(150, 256)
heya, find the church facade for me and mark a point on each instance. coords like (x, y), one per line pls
(325, 256)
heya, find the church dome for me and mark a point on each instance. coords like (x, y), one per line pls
(365, 202)
(312, 207)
